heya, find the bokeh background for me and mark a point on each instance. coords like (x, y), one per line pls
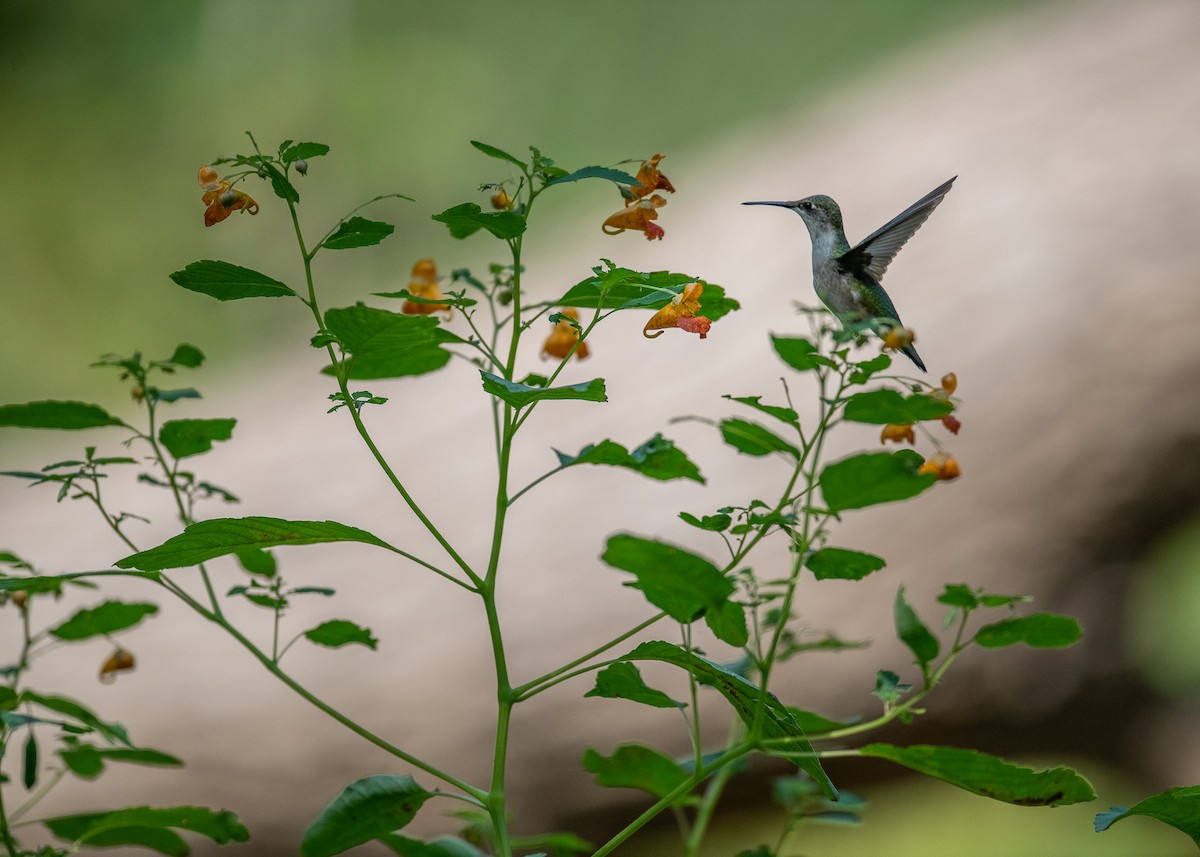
(1058, 280)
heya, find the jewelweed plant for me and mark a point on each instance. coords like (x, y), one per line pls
(47, 736)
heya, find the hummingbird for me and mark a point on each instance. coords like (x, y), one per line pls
(846, 278)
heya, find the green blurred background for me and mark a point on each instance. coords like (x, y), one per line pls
(107, 110)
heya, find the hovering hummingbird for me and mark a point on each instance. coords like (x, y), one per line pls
(846, 278)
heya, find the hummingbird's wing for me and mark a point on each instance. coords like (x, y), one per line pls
(875, 252)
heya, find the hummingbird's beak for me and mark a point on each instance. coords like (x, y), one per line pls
(780, 204)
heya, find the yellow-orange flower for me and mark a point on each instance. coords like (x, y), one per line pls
(942, 465)
(563, 337)
(898, 433)
(222, 199)
(638, 215)
(899, 338)
(680, 313)
(424, 284)
(950, 383)
(118, 661)
(501, 200)
(650, 179)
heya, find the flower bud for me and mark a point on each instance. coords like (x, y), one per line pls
(119, 661)
(950, 383)
(501, 200)
(301, 167)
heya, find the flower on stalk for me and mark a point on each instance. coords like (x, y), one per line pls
(639, 215)
(898, 433)
(950, 383)
(899, 338)
(942, 465)
(680, 313)
(119, 661)
(221, 198)
(650, 179)
(501, 201)
(563, 337)
(424, 284)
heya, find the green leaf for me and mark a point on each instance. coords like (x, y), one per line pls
(1039, 631)
(882, 407)
(786, 415)
(989, 776)
(186, 355)
(366, 809)
(713, 523)
(339, 632)
(468, 218)
(443, 846)
(959, 595)
(1178, 807)
(777, 723)
(29, 767)
(799, 353)
(56, 415)
(889, 688)
(108, 618)
(594, 172)
(176, 395)
(106, 828)
(227, 282)
(727, 621)
(912, 631)
(184, 438)
(87, 760)
(657, 458)
(863, 371)
(500, 154)
(385, 344)
(753, 439)
(842, 564)
(114, 732)
(873, 477)
(303, 151)
(612, 288)
(358, 232)
(634, 766)
(520, 395)
(258, 561)
(681, 583)
(206, 540)
(622, 680)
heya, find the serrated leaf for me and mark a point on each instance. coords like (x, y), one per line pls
(613, 287)
(303, 151)
(871, 478)
(257, 561)
(339, 632)
(1039, 631)
(657, 458)
(108, 618)
(1178, 807)
(468, 218)
(358, 232)
(753, 439)
(283, 188)
(863, 371)
(713, 523)
(443, 846)
(786, 415)
(752, 704)
(989, 776)
(87, 760)
(106, 828)
(385, 344)
(56, 415)
(184, 438)
(594, 172)
(681, 583)
(207, 540)
(842, 564)
(500, 154)
(227, 282)
(912, 631)
(520, 395)
(622, 680)
(114, 732)
(799, 353)
(882, 407)
(365, 810)
(635, 766)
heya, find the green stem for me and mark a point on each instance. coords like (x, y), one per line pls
(539, 684)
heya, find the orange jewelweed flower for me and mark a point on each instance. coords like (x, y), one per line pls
(942, 465)
(680, 313)
(563, 337)
(898, 338)
(222, 199)
(950, 383)
(898, 433)
(637, 215)
(118, 661)
(650, 179)
(501, 200)
(424, 284)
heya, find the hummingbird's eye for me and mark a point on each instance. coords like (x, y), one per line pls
(806, 205)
